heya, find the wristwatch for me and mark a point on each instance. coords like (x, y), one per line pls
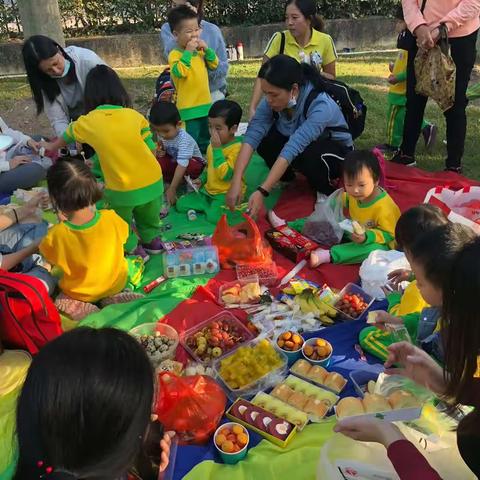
(264, 192)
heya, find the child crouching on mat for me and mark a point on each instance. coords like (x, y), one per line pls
(223, 119)
(365, 202)
(431, 258)
(177, 153)
(87, 246)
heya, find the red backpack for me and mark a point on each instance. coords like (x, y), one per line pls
(28, 317)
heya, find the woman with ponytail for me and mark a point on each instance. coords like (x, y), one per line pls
(303, 40)
(85, 411)
(296, 126)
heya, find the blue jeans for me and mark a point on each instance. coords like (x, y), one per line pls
(20, 236)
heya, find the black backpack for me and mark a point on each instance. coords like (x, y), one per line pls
(350, 102)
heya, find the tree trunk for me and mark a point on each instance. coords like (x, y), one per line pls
(41, 17)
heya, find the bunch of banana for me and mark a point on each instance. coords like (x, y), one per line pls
(309, 302)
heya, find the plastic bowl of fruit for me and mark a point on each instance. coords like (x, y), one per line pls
(353, 302)
(318, 351)
(231, 440)
(159, 340)
(255, 366)
(290, 343)
(241, 292)
(215, 337)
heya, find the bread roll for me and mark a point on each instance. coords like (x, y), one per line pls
(335, 381)
(374, 403)
(317, 374)
(349, 407)
(301, 367)
(403, 399)
(298, 400)
(282, 392)
(316, 407)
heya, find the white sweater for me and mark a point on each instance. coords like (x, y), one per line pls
(19, 140)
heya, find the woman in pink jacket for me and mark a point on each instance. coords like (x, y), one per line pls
(461, 17)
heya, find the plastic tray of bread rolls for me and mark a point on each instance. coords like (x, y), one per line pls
(316, 374)
(391, 398)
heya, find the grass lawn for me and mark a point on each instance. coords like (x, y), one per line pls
(366, 73)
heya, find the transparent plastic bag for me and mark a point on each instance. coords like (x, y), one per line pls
(322, 225)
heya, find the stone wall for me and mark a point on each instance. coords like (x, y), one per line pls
(144, 49)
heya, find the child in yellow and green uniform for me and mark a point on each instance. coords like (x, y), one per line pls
(411, 226)
(188, 66)
(397, 98)
(122, 140)
(223, 118)
(369, 205)
(86, 246)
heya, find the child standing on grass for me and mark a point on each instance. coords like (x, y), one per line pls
(397, 98)
(87, 245)
(177, 152)
(189, 65)
(365, 202)
(222, 153)
(122, 140)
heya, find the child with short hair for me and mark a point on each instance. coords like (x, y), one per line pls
(365, 202)
(189, 65)
(122, 140)
(397, 98)
(177, 153)
(87, 245)
(223, 119)
(411, 226)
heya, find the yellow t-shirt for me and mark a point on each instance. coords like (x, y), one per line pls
(90, 256)
(320, 51)
(400, 72)
(122, 139)
(379, 217)
(411, 301)
(220, 166)
(190, 77)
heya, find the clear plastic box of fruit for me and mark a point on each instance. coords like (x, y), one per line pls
(250, 368)
(241, 292)
(215, 337)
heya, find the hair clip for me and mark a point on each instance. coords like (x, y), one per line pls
(48, 470)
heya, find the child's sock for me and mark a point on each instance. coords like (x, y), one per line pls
(122, 297)
(274, 219)
(319, 257)
(75, 309)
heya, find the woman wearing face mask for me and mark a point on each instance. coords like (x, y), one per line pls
(213, 37)
(295, 125)
(303, 40)
(57, 78)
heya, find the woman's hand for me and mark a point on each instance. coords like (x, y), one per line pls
(424, 37)
(255, 204)
(398, 276)
(435, 33)
(165, 445)
(233, 196)
(369, 430)
(19, 160)
(35, 146)
(416, 365)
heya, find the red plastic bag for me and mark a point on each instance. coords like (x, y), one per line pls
(190, 406)
(240, 244)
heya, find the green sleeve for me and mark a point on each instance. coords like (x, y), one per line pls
(210, 54)
(401, 76)
(393, 299)
(223, 169)
(411, 323)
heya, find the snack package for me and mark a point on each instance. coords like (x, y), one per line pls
(190, 406)
(323, 225)
(290, 243)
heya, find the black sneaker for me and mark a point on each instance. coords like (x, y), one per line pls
(458, 170)
(429, 135)
(385, 147)
(402, 159)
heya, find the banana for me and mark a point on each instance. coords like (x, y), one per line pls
(313, 307)
(321, 306)
(326, 320)
(304, 304)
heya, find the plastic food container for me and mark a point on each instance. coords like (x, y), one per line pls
(241, 284)
(360, 378)
(267, 273)
(231, 458)
(157, 356)
(268, 380)
(323, 363)
(316, 381)
(243, 335)
(191, 261)
(353, 289)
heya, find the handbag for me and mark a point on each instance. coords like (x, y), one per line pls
(406, 39)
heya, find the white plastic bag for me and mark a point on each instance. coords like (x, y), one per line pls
(375, 269)
(322, 226)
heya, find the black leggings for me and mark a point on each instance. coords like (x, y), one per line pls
(319, 162)
(463, 51)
